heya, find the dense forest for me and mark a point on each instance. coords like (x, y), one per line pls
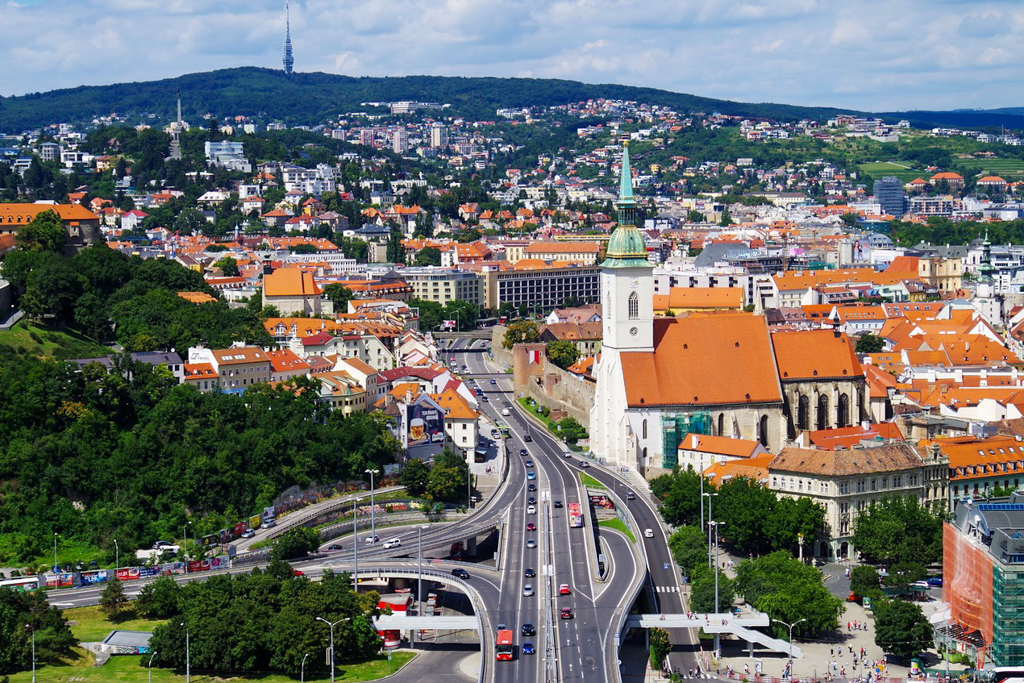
(311, 98)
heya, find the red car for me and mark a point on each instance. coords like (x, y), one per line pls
(298, 572)
(531, 526)
(567, 612)
(563, 589)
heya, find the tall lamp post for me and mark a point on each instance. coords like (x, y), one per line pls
(56, 567)
(355, 545)
(419, 556)
(188, 656)
(302, 669)
(117, 556)
(29, 627)
(715, 526)
(709, 496)
(790, 627)
(332, 625)
(373, 526)
(184, 544)
(150, 667)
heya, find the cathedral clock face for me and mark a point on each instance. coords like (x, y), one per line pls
(633, 331)
(634, 283)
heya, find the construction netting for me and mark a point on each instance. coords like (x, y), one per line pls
(675, 427)
(967, 589)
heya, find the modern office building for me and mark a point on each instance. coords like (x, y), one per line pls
(889, 194)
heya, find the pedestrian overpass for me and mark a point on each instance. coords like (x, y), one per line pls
(742, 626)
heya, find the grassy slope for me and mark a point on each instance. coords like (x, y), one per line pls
(38, 340)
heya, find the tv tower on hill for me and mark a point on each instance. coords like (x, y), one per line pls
(289, 61)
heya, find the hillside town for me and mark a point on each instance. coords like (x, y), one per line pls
(799, 324)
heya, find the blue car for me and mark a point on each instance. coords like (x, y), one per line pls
(528, 649)
(935, 581)
(531, 475)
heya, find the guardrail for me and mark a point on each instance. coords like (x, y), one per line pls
(620, 620)
(290, 521)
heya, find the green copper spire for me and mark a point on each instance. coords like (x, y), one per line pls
(986, 268)
(626, 248)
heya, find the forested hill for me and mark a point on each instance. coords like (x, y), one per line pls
(311, 98)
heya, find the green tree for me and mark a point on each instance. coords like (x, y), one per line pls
(228, 265)
(901, 629)
(562, 353)
(296, 543)
(898, 529)
(870, 343)
(415, 475)
(702, 591)
(850, 219)
(21, 614)
(428, 256)
(864, 582)
(679, 493)
(159, 599)
(570, 429)
(520, 332)
(52, 291)
(696, 217)
(340, 295)
(661, 646)
(448, 477)
(395, 251)
(726, 220)
(190, 222)
(431, 313)
(787, 589)
(902, 574)
(44, 233)
(113, 601)
(689, 546)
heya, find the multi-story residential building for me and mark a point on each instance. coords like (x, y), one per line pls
(438, 135)
(400, 141)
(444, 284)
(977, 466)
(311, 181)
(932, 206)
(285, 364)
(292, 291)
(846, 483)
(584, 253)
(237, 368)
(983, 582)
(538, 285)
(342, 392)
(228, 155)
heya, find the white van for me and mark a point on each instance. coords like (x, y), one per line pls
(505, 412)
(392, 543)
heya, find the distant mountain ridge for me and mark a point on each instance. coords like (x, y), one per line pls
(311, 98)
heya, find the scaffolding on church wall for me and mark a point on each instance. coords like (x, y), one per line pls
(675, 427)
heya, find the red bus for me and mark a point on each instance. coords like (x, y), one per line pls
(575, 516)
(390, 638)
(504, 648)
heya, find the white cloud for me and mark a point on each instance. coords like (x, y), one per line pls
(874, 54)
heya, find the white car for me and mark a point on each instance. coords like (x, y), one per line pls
(531, 509)
(392, 543)
(528, 591)
(648, 533)
(372, 539)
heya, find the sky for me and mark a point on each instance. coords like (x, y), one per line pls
(871, 55)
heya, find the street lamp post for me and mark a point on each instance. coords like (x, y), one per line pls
(355, 545)
(373, 524)
(117, 556)
(184, 544)
(56, 567)
(701, 473)
(419, 555)
(302, 669)
(716, 525)
(709, 497)
(188, 657)
(790, 627)
(29, 627)
(150, 667)
(469, 487)
(332, 625)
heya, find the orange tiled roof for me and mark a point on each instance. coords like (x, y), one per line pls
(197, 297)
(973, 458)
(810, 354)
(702, 360)
(720, 445)
(455, 407)
(290, 282)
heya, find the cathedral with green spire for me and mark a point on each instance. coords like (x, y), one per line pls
(626, 248)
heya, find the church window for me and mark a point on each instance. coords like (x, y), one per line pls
(763, 431)
(634, 306)
(721, 424)
(645, 429)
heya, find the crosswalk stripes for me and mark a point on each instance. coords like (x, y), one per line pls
(666, 589)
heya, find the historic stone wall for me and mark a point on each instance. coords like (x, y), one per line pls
(550, 385)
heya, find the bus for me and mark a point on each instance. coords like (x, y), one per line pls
(390, 638)
(504, 647)
(503, 428)
(21, 584)
(575, 515)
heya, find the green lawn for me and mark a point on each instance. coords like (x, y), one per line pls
(132, 668)
(590, 482)
(91, 625)
(618, 525)
(879, 169)
(39, 340)
(1000, 167)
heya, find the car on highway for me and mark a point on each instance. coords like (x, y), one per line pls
(566, 613)
(527, 438)
(529, 463)
(531, 543)
(269, 522)
(248, 533)
(531, 501)
(528, 630)
(485, 399)
(494, 381)
(648, 533)
(584, 464)
(558, 503)
(630, 495)
(531, 509)
(370, 540)
(528, 648)
(392, 543)
(505, 412)
(567, 454)
(563, 589)
(452, 360)
(334, 546)
(530, 526)
(158, 545)
(460, 573)
(529, 573)
(528, 590)
(531, 475)
(465, 368)
(531, 487)
(523, 452)
(298, 572)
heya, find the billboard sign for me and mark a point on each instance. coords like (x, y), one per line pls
(425, 424)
